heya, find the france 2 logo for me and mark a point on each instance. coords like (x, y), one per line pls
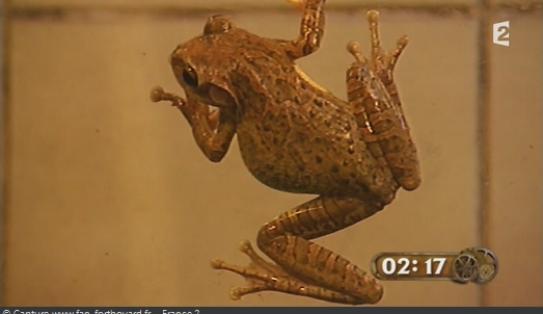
(500, 33)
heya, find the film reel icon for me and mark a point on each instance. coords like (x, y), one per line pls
(479, 265)
(488, 265)
(465, 268)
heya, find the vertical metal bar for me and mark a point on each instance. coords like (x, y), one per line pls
(484, 42)
(3, 102)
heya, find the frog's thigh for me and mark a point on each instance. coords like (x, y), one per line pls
(307, 268)
(383, 126)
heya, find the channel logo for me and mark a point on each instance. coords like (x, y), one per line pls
(500, 33)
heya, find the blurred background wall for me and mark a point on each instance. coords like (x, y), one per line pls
(108, 201)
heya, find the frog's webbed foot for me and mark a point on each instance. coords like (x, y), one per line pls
(381, 63)
(265, 276)
(260, 274)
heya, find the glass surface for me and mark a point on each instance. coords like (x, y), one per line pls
(108, 200)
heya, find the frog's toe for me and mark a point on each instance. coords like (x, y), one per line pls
(402, 42)
(157, 94)
(354, 48)
(237, 293)
(395, 54)
(216, 263)
(245, 246)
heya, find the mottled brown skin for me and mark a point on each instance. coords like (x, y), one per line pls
(295, 136)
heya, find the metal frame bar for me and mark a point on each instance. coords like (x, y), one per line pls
(4, 81)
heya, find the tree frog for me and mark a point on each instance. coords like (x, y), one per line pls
(298, 137)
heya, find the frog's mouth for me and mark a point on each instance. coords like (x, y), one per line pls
(220, 97)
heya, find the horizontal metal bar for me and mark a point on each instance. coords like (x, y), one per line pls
(91, 10)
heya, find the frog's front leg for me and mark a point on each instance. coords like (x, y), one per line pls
(212, 130)
(311, 29)
(302, 266)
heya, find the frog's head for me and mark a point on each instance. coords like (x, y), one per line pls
(199, 67)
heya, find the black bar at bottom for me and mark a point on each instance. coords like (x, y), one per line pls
(266, 310)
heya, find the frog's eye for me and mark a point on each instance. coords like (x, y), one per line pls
(190, 77)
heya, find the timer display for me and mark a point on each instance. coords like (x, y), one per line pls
(393, 266)
(479, 265)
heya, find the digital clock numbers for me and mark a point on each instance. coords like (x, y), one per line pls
(474, 264)
(412, 265)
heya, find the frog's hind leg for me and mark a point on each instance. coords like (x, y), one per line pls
(304, 267)
(311, 29)
(373, 94)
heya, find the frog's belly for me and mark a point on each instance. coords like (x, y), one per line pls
(280, 170)
(303, 162)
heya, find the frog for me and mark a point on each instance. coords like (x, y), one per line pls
(296, 136)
